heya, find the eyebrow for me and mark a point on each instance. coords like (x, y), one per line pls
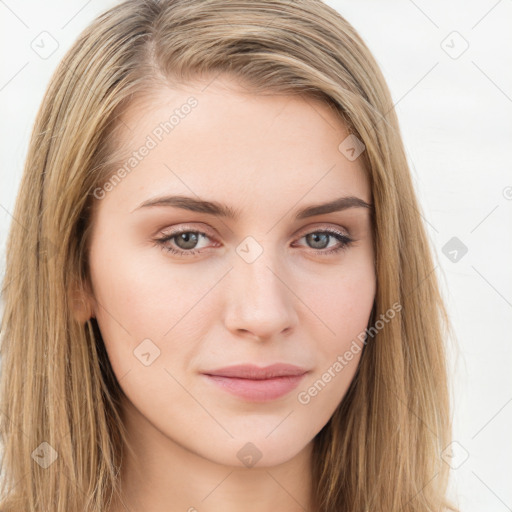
(220, 210)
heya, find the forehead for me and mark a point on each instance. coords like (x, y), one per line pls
(227, 143)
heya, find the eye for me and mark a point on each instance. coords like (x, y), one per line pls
(187, 240)
(320, 240)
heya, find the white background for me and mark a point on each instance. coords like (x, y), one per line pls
(455, 111)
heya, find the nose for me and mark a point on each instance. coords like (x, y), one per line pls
(260, 302)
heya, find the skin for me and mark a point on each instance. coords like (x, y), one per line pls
(267, 157)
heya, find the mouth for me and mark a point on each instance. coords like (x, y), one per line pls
(257, 384)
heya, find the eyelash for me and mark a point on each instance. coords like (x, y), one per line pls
(346, 242)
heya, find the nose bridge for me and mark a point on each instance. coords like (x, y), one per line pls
(260, 301)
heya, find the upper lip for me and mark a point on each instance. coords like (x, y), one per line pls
(251, 371)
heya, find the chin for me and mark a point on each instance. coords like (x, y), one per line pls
(258, 451)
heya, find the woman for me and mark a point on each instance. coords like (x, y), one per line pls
(219, 292)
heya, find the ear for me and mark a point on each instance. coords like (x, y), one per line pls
(81, 303)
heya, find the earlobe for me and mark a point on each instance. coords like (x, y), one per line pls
(81, 304)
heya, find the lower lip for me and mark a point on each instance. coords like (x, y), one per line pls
(257, 390)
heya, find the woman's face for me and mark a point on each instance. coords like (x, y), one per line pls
(261, 286)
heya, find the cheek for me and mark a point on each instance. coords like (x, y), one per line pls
(343, 302)
(128, 309)
(344, 308)
(131, 289)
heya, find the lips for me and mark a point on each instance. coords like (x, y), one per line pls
(250, 371)
(257, 384)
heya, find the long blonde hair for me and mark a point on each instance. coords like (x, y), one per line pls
(381, 450)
